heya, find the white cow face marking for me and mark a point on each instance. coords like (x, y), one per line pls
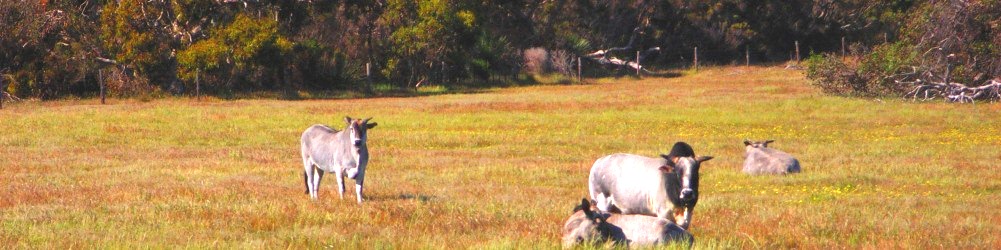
(357, 130)
(357, 138)
(687, 170)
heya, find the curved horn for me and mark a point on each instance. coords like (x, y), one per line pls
(586, 206)
(366, 120)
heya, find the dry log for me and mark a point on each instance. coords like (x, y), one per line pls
(106, 60)
(603, 57)
(9, 97)
(955, 92)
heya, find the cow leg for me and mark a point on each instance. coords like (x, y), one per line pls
(315, 189)
(359, 186)
(340, 182)
(602, 202)
(307, 172)
(680, 217)
(319, 177)
(687, 218)
(305, 180)
(310, 183)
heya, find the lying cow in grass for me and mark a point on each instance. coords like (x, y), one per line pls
(760, 159)
(666, 187)
(342, 152)
(588, 226)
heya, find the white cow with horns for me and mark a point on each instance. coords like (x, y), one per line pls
(325, 149)
(666, 187)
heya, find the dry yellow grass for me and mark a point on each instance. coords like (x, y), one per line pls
(501, 168)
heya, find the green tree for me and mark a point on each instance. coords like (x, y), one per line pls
(248, 53)
(134, 34)
(425, 34)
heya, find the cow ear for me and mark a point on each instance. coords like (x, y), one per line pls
(371, 125)
(586, 207)
(580, 206)
(347, 119)
(670, 159)
(703, 158)
(666, 169)
(747, 142)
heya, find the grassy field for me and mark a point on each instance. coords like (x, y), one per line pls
(501, 168)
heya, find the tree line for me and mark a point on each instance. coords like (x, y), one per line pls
(53, 49)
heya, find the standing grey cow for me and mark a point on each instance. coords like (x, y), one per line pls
(588, 226)
(327, 150)
(760, 159)
(666, 187)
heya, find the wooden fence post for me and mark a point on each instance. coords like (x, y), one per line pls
(843, 47)
(198, 85)
(100, 80)
(638, 64)
(696, 62)
(797, 52)
(948, 67)
(579, 77)
(747, 56)
(368, 75)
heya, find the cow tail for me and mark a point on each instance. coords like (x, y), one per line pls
(305, 178)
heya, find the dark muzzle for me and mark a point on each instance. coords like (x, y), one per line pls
(687, 194)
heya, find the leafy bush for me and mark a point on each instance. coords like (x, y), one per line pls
(562, 62)
(831, 74)
(865, 76)
(883, 62)
(536, 60)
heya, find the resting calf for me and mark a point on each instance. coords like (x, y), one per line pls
(589, 226)
(760, 159)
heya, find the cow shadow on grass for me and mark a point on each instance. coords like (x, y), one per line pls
(404, 196)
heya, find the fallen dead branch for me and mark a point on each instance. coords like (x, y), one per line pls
(604, 57)
(955, 92)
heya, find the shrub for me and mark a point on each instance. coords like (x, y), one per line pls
(561, 62)
(833, 76)
(536, 60)
(119, 83)
(865, 76)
